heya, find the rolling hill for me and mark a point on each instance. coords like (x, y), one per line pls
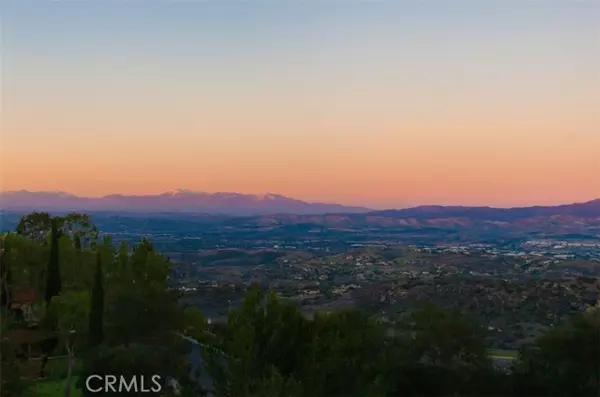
(176, 201)
(234, 216)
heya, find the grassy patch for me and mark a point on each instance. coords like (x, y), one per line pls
(55, 388)
(503, 353)
(57, 368)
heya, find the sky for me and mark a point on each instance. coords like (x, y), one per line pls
(377, 103)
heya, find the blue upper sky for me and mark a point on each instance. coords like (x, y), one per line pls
(317, 99)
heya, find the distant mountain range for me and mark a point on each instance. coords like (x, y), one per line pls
(273, 216)
(176, 201)
(273, 209)
(584, 210)
(575, 218)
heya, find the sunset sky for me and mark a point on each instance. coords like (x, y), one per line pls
(377, 103)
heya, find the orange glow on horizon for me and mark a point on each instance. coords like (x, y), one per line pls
(490, 105)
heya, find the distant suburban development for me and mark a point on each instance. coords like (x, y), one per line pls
(435, 290)
(518, 277)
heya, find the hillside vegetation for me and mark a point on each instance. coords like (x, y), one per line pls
(110, 309)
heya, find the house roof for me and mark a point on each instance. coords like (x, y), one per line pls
(26, 335)
(23, 295)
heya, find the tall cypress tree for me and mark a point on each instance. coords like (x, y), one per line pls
(96, 322)
(77, 243)
(5, 274)
(53, 284)
(123, 254)
(53, 288)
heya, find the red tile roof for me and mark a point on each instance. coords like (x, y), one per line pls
(23, 295)
(26, 335)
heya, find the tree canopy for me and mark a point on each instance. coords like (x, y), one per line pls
(112, 310)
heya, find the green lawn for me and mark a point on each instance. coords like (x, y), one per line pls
(55, 388)
(54, 385)
(503, 353)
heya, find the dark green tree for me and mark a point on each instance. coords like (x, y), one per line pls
(563, 362)
(345, 355)
(123, 255)
(78, 243)
(262, 336)
(36, 225)
(70, 313)
(142, 318)
(273, 349)
(5, 272)
(11, 383)
(53, 288)
(96, 323)
(53, 279)
(442, 353)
